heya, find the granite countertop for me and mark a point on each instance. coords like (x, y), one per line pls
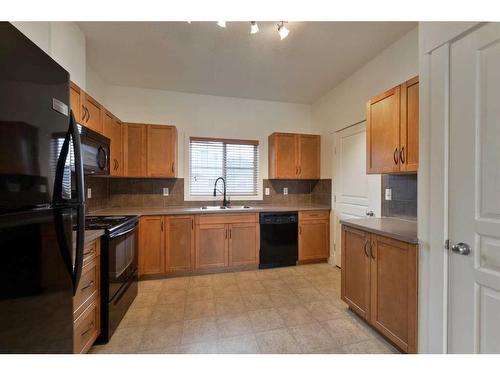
(399, 229)
(184, 210)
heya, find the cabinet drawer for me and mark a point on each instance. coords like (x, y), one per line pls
(227, 218)
(314, 215)
(86, 328)
(90, 251)
(88, 287)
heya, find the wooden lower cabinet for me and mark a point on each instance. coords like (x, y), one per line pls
(151, 245)
(314, 235)
(355, 287)
(86, 302)
(244, 244)
(211, 246)
(179, 243)
(379, 282)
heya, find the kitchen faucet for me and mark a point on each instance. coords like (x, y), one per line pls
(225, 202)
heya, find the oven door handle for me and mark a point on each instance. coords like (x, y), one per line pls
(114, 235)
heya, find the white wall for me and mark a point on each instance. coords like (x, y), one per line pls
(63, 41)
(210, 116)
(96, 86)
(345, 104)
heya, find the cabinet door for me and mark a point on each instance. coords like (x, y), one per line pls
(382, 132)
(393, 309)
(180, 243)
(283, 156)
(355, 290)
(243, 244)
(75, 101)
(162, 145)
(93, 117)
(113, 130)
(309, 156)
(134, 150)
(314, 239)
(408, 153)
(152, 245)
(211, 246)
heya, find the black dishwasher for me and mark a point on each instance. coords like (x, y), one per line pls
(278, 239)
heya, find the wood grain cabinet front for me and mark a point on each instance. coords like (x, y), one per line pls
(379, 283)
(294, 156)
(314, 236)
(112, 128)
(211, 246)
(392, 125)
(161, 151)
(134, 150)
(179, 243)
(151, 245)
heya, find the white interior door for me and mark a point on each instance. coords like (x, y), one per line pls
(355, 192)
(474, 193)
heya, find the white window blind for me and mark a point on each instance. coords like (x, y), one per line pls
(235, 160)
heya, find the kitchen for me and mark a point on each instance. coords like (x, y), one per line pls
(274, 221)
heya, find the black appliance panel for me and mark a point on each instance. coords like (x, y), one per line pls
(278, 239)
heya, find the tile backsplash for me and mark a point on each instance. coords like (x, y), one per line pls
(148, 192)
(404, 196)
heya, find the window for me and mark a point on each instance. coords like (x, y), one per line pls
(234, 160)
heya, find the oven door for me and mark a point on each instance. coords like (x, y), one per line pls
(122, 257)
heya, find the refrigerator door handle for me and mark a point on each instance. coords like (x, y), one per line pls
(80, 209)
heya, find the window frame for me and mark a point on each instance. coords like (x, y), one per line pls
(187, 174)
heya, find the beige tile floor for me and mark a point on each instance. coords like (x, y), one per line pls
(281, 310)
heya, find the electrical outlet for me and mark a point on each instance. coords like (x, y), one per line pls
(285, 191)
(89, 193)
(165, 192)
(388, 194)
(267, 191)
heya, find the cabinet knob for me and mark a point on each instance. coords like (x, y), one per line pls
(395, 155)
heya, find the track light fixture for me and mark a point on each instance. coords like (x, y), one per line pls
(254, 28)
(282, 30)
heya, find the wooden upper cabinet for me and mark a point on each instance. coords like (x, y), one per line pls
(179, 243)
(393, 308)
(355, 271)
(92, 113)
(294, 156)
(112, 128)
(314, 236)
(382, 132)
(134, 150)
(408, 152)
(211, 246)
(392, 130)
(309, 156)
(282, 156)
(152, 245)
(75, 100)
(243, 244)
(161, 150)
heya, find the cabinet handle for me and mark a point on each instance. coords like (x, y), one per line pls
(87, 286)
(300, 169)
(162, 226)
(172, 167)
(296, 170)
(395, 155)
(402, 155)
(225, 232)
(372, 245)
(84, 113)
(88, 329)
(192, 224)
(91, 251)
(365, 248)
(300, 229)
(230, 234)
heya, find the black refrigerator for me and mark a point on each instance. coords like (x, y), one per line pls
(42, 208)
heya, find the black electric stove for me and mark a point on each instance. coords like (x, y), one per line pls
(119, 254)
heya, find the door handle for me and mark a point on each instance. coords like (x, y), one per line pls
(402, 155)
(365, 248)
(372, 245)
(461, 248)
(395, 155)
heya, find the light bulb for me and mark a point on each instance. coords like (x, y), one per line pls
(282, 30)
(254, 28)
(221, 24)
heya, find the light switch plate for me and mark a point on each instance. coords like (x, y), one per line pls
(267, 191)
(388, 194)
(165, 192)
(285, 191)
(89, 193)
